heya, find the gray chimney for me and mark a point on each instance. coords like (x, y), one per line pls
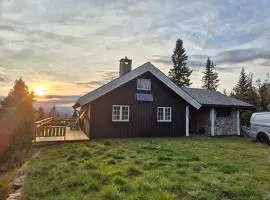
(125, 66)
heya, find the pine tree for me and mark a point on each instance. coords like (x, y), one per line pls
(240, 91)
(41, 113)
(264, 93)
(225, 92)
(16, 124)
(53, 113)
(252, 95)
(180, 72)
(210, 78)
(75, 113)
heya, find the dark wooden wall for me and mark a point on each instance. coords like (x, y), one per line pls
(143, 115)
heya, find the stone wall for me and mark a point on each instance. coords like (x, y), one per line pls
(227, 124)
(225, 121)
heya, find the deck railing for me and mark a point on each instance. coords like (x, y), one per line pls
(50, 128)
(51, 131)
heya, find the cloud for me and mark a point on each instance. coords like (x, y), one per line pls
(229, 58)
(242, 55)
(104, 76)
(6, 28)
(89, 84)
(75, 43)
(107, 76)
(2, 79)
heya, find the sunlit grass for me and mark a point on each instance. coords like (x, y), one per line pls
(162, 168)
(6, 183)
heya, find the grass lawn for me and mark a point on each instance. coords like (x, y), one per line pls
(156, 169)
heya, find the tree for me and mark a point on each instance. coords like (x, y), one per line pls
(225, 92)
(210, 78)
(53, 113)
(240, 91)
(264, 93)
(16, 125)
(252, 95)
(41, 113)
(180, 72)
(75, 113)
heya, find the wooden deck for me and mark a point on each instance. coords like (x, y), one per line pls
(70, 136)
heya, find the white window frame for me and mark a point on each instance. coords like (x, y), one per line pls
(121, 113)
(163, 114)
(148, 81)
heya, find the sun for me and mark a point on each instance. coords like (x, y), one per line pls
(40, 90)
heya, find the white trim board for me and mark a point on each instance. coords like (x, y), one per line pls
(147, 67)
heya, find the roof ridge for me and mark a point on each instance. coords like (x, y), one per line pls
(146, 67)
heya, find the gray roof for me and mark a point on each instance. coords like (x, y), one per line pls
(214, 98)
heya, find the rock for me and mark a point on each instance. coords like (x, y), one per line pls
(15, 195)
(18, 182)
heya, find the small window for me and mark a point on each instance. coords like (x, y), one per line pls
(144, 84)
(164, 114)
(120, 113)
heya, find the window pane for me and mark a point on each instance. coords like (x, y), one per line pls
(164, 114)
(120, 113)
(116, 113)
(144, 84)
(125, 112)
(160, 114)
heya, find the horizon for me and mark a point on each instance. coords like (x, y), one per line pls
(77, 49)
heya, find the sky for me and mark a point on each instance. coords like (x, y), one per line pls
(72, 47)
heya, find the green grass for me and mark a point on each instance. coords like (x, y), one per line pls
(158, 168)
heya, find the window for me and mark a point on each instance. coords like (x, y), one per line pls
(120, 113)
(164, 114)
(144, 84)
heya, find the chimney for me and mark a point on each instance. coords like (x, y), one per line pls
(125, 66)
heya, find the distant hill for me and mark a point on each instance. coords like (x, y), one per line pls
(63, 104)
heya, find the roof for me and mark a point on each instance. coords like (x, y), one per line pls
(147, 67)
(214, 98)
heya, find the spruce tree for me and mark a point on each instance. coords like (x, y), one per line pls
(252, 95)
(16, 125)
(210, 78)
(180, 72)
(41, 113)
(264, 93)
(240, 91)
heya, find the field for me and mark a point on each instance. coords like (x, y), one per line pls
(158, 168)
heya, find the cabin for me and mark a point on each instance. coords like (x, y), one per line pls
(144, 102)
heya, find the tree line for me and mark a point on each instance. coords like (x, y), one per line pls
(246, 89)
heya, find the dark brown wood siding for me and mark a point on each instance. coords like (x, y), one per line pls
(143, 115)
